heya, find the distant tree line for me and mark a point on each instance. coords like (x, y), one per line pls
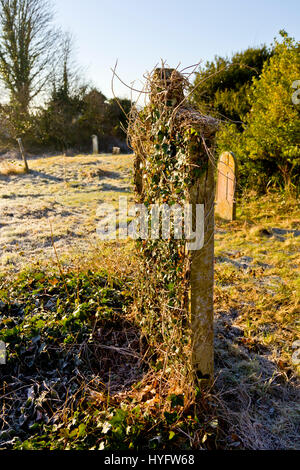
(45, 100)
(251, 94)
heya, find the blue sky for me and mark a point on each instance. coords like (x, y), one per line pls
(139, 33)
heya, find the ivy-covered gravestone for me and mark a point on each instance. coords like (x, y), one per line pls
(174, 166)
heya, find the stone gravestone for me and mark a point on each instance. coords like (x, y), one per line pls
(226, 185)
(116, 151)
(95, 144)
(201, 192)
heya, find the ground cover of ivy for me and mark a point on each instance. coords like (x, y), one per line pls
(76, 375)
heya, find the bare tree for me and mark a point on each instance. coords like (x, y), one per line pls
(27, 42)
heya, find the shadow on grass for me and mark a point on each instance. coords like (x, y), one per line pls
(46, 176)
(258, 400)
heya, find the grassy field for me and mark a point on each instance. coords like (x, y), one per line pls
(78, 374)
(57, 201)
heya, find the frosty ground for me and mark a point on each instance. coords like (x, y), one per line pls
(48, 218)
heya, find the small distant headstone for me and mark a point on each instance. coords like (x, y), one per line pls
(296, 355)
(116, 151)
(296, 358)
(95, 144)
(296, 344)
(226, 185)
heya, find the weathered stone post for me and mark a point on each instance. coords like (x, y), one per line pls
(95, 144)
(202, 279)
(174, 164)
(202, 192)
(23, 155)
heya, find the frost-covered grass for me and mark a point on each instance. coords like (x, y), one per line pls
(57, 201)
(80, 376)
